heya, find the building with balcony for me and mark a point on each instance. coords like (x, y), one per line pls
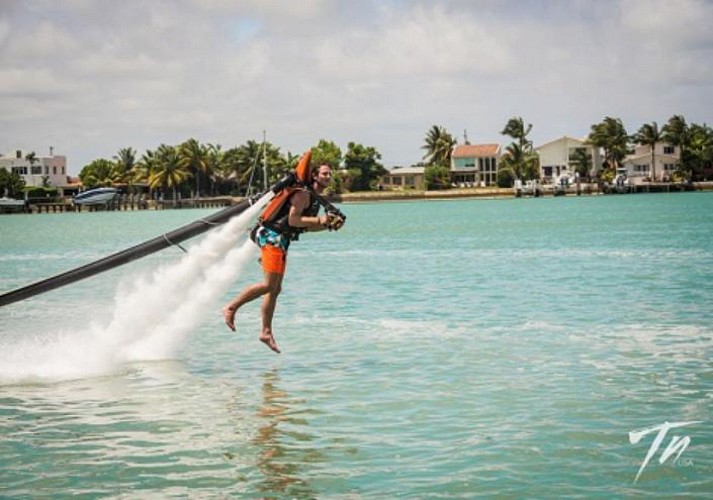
(37, 170)
(475, 165)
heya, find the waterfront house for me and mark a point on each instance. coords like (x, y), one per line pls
(37, 171)
(475, 164)
(556, 157)
(637, 167)
(405, 178)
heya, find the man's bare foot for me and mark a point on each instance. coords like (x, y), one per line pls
(269, 340)
(229, 317)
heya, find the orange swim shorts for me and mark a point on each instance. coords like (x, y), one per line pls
(274, 259)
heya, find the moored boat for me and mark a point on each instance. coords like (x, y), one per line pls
(98, 196)
(8, 205)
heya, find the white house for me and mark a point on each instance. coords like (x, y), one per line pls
(556, 157)
(405, 178)
(637, 167)
(34, 172)
(475, 164)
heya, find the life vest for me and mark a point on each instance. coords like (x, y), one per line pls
(277, 211)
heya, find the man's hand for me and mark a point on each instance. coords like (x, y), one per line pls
(334, 222)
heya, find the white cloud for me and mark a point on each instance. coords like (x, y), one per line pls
(44, 40)
(91, 76)
(425, 41)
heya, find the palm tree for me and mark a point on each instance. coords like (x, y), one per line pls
(167, 171)
(582, 160)
(213, 163)
(611, 136)
(278, 165)
(701, 149)
(649, 135)
(438, 144)
(142, 169)
(229, 169)
(515, 128)
(249, 157)
(125, 161)
(676, 133)
(519, 157)
(193, 158)
(520, 162)
(32, 158)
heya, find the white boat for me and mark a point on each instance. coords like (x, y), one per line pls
(562, 183)
(11, 204)
(530, 188)
(98, 196)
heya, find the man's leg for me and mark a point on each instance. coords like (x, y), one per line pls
(269, 302)
(273, 261)
(250, 293)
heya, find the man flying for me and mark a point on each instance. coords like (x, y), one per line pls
(299, 213)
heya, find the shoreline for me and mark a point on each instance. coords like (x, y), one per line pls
(546, 191)
(500, 193)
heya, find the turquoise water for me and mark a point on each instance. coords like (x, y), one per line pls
(448, 349)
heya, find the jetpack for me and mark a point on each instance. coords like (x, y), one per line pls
(174, 237)
(299, 179)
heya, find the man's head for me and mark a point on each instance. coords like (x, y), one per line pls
(321, 175)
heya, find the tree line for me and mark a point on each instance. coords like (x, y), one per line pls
(193, 168)
(520, 161)
(196, 169)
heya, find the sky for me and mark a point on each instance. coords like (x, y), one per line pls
(89, 77)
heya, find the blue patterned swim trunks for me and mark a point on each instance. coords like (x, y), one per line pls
(266, 236)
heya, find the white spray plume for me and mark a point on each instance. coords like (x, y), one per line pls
(153, 314)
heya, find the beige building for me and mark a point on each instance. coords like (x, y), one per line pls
(556, 157)
(41, 170)
(637, 167)
(405, 178)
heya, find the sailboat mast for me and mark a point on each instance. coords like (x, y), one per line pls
(264, 159)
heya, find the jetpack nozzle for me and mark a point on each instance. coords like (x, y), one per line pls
(286, 181)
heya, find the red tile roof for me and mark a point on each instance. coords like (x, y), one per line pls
(476, 151)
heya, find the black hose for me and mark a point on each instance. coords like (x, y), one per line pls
(130, 254)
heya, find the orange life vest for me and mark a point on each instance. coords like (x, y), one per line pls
(278, 208)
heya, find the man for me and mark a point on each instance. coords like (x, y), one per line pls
(299, 214)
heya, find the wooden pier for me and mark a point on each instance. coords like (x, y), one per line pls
(126, 203)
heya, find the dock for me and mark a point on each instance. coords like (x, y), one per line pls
(127, 203)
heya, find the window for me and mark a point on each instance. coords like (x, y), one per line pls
(668, 150)
(54, 170)
(36, 170)
(20, 170)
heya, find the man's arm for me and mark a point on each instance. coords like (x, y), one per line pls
(298, 204)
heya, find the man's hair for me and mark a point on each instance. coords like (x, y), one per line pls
(315, 168)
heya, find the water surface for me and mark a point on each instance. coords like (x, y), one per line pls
(430, 349)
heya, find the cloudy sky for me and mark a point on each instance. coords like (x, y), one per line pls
(89, 77)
